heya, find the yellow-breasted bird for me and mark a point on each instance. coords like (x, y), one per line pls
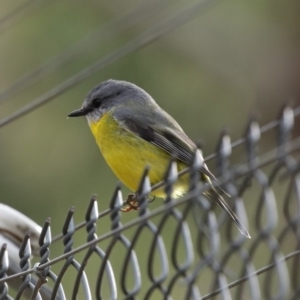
(132, 131)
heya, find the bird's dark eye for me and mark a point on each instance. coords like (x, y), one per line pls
(96, 103)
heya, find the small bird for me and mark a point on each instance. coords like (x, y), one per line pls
(132, 131)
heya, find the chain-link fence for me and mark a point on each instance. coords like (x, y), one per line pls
(188, 248)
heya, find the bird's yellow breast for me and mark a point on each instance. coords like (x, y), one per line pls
(127, 154)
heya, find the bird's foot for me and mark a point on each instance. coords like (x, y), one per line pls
(132, 203)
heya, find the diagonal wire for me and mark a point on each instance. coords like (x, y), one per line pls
(263, 129)
(109, 30)
(24, 6)
(266, 159)
(149, 36)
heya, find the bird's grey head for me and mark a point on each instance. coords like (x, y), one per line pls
(108, 95)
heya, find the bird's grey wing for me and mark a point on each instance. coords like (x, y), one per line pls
(172, 140)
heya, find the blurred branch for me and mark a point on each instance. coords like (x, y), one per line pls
(149, 36)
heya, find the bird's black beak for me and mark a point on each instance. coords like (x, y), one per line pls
(79, 112)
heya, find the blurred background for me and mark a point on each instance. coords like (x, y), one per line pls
(230, 60)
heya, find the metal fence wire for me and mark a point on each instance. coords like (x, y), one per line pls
(188, 248)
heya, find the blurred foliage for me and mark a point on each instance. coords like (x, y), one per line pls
(234, 59)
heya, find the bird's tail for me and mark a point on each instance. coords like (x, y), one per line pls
(214, 195)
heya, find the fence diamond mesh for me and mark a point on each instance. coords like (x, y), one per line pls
(183, 249)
